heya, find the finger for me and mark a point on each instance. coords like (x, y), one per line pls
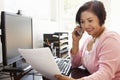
(75, 29)
(78, 26)
(58, 76)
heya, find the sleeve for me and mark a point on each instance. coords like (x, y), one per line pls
(109, 60)
(76, 59)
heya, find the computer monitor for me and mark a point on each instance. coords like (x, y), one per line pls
(16, 33)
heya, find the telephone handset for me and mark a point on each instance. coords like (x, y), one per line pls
(79, 32)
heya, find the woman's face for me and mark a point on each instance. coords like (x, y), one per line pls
(90, 23)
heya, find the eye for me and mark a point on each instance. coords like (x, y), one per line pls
(90, 20)
(81, 22)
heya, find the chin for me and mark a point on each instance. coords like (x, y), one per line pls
(90, 33)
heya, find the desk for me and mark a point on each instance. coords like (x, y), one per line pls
(16, 75)
(78, 73)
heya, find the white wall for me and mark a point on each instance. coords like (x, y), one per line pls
(40, 11)
(1, 8)
(107, 5)
(1, 4)
(115, 16)
(46, 15)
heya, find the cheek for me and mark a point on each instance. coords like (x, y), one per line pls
(95, 26)
(97, 29)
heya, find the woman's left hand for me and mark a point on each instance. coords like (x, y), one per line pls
(63, 77)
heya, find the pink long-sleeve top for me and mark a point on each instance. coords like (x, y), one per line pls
(103, 61)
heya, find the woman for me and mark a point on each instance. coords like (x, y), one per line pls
(100, 54)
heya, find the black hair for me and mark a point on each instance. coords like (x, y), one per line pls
(96, 7)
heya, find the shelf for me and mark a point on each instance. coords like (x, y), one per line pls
(59, 40)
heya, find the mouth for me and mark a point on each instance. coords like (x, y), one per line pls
(89, 30)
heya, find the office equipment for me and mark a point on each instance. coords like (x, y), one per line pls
(22, 68)
(59, 41)
(42, 60)
(16, 33)
(15, 73)
(64, 65)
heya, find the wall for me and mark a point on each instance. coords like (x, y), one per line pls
(1, 4)
(115, 16)
(1, 8)
(41, 13)
(107, 5)
(46, 15)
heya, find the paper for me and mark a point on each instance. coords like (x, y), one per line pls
(42, 60)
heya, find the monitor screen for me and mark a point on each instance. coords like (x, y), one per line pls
(16, 33)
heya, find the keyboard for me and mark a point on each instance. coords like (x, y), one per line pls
(64, 65)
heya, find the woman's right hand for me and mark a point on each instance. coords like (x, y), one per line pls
(76, 39)
(75, 35)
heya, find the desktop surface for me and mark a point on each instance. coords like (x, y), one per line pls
(72, 72)
(75, 73)
(78, 73)
(65, 68)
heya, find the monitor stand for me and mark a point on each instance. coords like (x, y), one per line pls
(18, 69)
(19, 66)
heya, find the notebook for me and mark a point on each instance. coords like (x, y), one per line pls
(42, 60)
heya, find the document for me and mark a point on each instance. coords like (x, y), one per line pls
(42, 60)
